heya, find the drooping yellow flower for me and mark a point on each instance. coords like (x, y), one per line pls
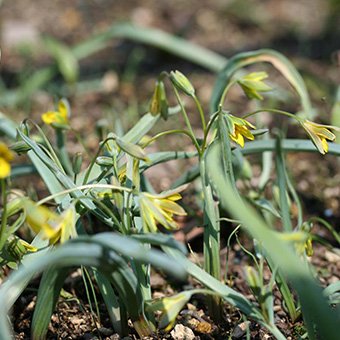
(58, 118)
(54, 227)
(252, 84)
(238, 129)
(160, 209)
(6, 156)
(319, 134)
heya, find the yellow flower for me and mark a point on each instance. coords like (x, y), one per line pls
(252, 84)
(6, 156)
(53, 226)
(319, 134)
(57, 118)
(160, 209)
(238, 129)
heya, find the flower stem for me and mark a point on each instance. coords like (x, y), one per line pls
(280, 112)
(207, 130)
(170, 132)
(226, 90)
(4, 213)
(64, 157)
(82, 187)
(200, 110)
(186, 119)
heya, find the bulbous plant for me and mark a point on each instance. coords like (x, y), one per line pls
(113, 192)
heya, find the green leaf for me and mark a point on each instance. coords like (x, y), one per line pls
(104, 251)
(288, 145)
(314, 306)
(7, 126)
(335, 114)
(165, 156)
(49, 290)
(110, 299)
(66, 60)
(266, 205)
(154, 37)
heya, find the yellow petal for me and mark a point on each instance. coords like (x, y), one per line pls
(171, 207)
(63, 109)
(238, 138)
(324, 144)
(40, 218)
(5, 152)
(50, 117)
(5, 168)
(28, 246)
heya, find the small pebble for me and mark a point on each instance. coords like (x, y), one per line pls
(180, 332)
(240, 330)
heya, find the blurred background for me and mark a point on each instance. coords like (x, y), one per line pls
(307, 31)
(112, 83)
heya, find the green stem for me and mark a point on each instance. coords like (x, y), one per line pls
(88, 171)
(207, 130)
(170, 132)
(4, 213)
(227, 154)
(64, 157)
(48, 149)
(280, 112)
(225, 91)
(282, 183)
(82, 187)
(211, 245)
(200, 110)
(186, 118)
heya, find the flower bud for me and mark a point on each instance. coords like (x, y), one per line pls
(77, 162)
(159, 103)
(182, 83)
(20, 147)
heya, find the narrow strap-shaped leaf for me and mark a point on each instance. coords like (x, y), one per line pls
(161, 240)
(283, 193)
(92, 252)
(49, 290)
(165, 156)
(288, 145)
(65, 58)
(279, 61)
(314, 306)
(7, 126)
(131, 248)
(154, 37)
(110, 299)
